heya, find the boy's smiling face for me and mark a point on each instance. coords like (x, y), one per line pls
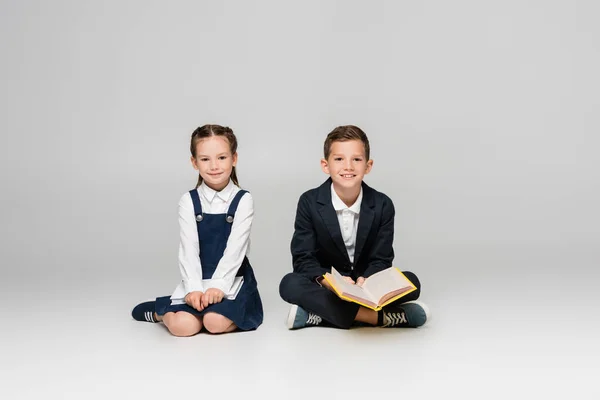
(347, 164)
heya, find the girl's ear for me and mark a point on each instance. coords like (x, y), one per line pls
(194, 164)
(234, 158)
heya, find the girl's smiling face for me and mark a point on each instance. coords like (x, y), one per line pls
(214, 161)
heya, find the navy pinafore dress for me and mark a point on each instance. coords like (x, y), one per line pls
(246, 309)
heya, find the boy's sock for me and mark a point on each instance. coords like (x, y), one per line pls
(411, 314)
(300, 318)
(144, 312)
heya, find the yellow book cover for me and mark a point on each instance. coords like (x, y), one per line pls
(378, 290)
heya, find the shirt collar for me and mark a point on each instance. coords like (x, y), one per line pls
(339, 205)
(210, 194)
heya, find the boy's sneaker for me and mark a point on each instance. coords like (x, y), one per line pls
(411, 314)
(144, 312)
(300, 318)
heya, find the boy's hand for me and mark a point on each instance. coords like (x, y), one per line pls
(360, 281)
(212, 296)
(194, 300)
(325, 283)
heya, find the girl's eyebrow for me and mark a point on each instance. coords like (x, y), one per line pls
(341, 155)
(220, 154)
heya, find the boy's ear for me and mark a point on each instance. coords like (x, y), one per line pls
(325, 166)
(369, 166)
(193, 160)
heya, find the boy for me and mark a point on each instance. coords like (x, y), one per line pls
(346, 224)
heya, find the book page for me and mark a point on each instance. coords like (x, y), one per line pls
(384, 282)
(235, 288)
(349, 289)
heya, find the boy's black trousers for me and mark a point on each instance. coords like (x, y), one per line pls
(299, 289)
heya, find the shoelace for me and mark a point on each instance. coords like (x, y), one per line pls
(313, 319)
(393, 319)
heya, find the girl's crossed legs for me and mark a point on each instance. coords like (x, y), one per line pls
(182, 323)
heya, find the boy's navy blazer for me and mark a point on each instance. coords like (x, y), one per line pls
(317, 243)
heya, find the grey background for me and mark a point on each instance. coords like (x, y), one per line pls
(483, 120)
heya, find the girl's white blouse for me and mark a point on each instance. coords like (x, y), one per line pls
(238, 244)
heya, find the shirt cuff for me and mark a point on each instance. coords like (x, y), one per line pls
(193, 286)
(220, 284)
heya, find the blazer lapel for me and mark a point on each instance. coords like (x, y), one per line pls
(367, 215)
(330, 217)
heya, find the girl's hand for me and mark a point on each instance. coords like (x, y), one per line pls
(360, 281)
(212, 296)
(194, 300)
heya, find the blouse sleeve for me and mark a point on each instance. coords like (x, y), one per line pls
(189, 247)
(237, 245)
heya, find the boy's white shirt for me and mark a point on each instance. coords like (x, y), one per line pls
(238, 244)
(348, 220)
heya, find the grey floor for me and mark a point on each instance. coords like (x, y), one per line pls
(492, 335)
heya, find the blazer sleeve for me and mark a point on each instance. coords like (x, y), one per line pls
(382, 254)
(304, 242)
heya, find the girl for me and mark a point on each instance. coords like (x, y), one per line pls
(215, 221)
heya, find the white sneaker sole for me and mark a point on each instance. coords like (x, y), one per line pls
(291, 316)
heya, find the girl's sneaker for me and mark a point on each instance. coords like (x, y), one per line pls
(144, 312)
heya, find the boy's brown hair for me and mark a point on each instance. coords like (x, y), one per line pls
(344, 133)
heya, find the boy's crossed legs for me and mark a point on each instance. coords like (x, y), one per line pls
(312, 303)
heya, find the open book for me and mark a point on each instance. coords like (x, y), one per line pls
(378, 290)
(231, 295)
